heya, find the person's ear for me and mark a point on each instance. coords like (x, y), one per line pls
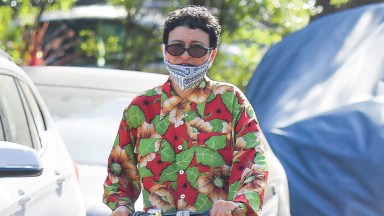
(213, 54)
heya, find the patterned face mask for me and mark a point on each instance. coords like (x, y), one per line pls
(187, 77)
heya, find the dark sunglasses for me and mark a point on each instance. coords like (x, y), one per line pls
(195, 51)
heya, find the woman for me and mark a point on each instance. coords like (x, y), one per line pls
(192, 144)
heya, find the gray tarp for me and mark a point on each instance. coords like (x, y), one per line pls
(319, 98)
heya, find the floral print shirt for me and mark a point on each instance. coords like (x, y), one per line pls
(184, 154)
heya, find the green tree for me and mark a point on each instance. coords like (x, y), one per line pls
(20, 32)
(249, 28)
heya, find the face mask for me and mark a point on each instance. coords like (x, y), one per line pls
(187, 77)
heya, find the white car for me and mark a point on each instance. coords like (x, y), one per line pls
(87, 105)
(37, 174)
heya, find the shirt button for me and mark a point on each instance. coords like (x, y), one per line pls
(180, 147)
(181, 172)
(182, 196)
(181, 122)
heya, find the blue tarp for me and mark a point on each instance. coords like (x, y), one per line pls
(319, 98)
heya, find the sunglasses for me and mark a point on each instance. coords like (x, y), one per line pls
(195, 51)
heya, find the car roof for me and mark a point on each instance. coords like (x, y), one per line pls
(9, 67)
(5, 55)
(103, 12)
(84, 12)
(95, 78)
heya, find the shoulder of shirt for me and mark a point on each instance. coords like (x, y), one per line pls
(226, 84)
(155, 91)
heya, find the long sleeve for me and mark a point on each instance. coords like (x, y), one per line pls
(122, 186)
(188, 153)
(249, 168)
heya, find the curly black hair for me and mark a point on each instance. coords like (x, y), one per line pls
(194, 17)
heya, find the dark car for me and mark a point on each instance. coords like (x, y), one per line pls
(319, 96)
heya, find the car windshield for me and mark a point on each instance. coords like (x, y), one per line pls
(87, 119)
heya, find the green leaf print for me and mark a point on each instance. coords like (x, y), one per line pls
(144, 171)
(164, 97)
(112, 205)
(146, 198)
(117, 140)
(151, 92)
(260, 159)
(184, 158)
(233, 188)
(217, 142)
(254, 200)
(203, 202)
(174, 186)
(130, 153)
(147, 146)
(190, 116)
(162, 125)
(217, 125)
(167, 152)
(250, 112)
(134, 116)
(113, 187)
(250, 140)
(231, 102)
(169, 173)
(210, 97)
(192, 175)
(185, 144)
(200, 109)
(209, 157)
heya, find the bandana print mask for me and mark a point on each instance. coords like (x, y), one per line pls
(187, 77)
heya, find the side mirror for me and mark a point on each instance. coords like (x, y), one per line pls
(18, 161)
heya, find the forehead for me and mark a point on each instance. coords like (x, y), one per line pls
(188, 35)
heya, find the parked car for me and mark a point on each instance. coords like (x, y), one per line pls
(319, 96)
(37, 174)
(87, 105)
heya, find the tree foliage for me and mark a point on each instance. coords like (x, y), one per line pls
(249, 28)
(19, 28)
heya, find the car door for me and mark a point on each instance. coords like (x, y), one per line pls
(55, 190)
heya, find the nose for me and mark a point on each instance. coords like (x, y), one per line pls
(185, 54)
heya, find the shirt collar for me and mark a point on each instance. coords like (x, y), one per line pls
(170, 100)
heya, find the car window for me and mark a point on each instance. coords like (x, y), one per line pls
(35, 117)
(101, 36)
(14, 119)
